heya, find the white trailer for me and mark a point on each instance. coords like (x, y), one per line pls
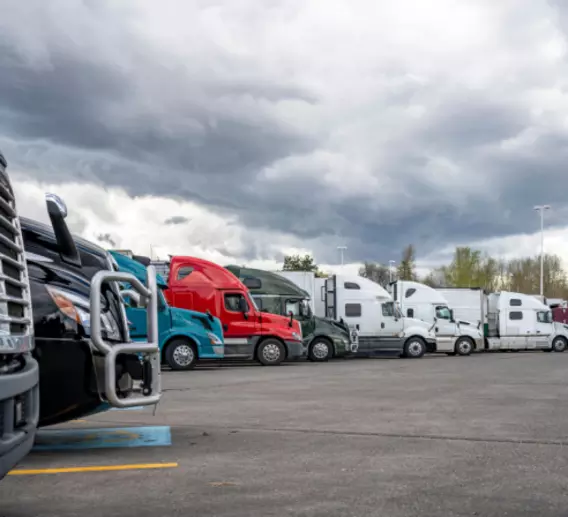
(319, 297)
(420, 301)
(305, 280)
(468, 304)
(370, 309)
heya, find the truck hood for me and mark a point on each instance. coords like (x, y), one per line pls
(200, 322)
(560, 327)
(334, 326)
(414, 322)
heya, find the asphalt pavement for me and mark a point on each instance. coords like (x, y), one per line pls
(482, 435)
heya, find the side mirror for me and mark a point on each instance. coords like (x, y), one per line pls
(57, 211)
(243, 307)
(291, 322)
(452, 316)
(209, 315)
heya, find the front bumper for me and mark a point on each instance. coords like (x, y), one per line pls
(296, 350)
(17, 440)
(218, 352)
(148, 352)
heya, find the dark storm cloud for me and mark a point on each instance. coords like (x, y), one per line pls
(157, 124)
(106, 238)
(177, 219)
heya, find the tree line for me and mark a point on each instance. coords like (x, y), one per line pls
(468, 268)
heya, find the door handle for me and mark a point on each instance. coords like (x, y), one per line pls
(225, 327)
(383, 325)
(538, 331)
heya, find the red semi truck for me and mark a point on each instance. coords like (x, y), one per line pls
(204, 286)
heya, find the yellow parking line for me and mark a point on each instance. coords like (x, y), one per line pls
(99, 468)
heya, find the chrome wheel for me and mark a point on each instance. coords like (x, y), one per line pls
(183, 355)
(559, 345)
(271, 352)
(320, 350)
(415, 348)
(464, 347)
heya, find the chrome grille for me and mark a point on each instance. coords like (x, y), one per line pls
(15, 306)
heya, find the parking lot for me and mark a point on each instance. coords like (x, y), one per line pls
(483, 435)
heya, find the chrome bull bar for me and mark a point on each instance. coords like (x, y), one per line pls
(149, 350)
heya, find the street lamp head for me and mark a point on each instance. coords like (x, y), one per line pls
(538, 208)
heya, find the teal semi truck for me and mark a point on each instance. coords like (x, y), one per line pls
(185, 336)
(325, 338)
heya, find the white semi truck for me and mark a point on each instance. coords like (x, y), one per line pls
(511, 321)
(453, 335)
(369, 308)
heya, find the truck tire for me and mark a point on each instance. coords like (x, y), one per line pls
(464, 346)
(270, 352)
(559, 344)
(320, 350)
(414, 348)
(181, 354)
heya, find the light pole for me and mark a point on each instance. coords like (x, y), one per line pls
(542, 209)
(341, 250)
(391, 265)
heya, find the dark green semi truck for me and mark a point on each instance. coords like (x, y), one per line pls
(325, 338)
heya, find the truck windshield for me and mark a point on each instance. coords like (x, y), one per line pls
(253, 303)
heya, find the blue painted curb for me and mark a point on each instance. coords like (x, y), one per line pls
(102, 438)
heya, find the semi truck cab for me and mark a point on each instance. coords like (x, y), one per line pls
(200, 285)
(86, 358)
(184, 336)
(382, 328)
(518, 321)
(420, 301)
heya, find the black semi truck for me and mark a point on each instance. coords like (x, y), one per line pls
(63, 293)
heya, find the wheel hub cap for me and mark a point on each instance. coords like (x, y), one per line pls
(271, 352)
(320, 350)
(183, 355)
(465, 347)
(415, 348)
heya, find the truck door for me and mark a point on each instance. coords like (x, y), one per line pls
(542, 330)
(391, 330)
(445, 329)
(517, 328)
(239, 324)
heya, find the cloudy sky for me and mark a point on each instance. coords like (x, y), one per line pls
(242, 130)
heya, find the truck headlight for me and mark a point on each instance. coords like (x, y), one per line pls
(296, 336)
(77, 308)
(214, 339)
